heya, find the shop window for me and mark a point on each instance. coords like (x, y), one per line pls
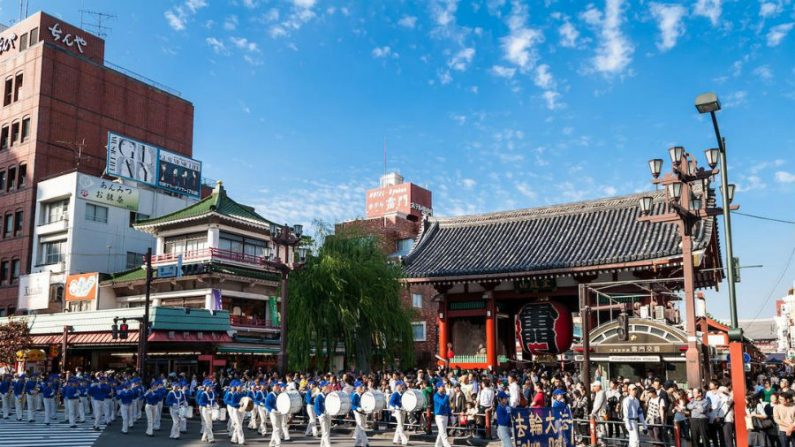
(418, 329)
(23, 174)
(8, 91)
(4, 134)
(16, 264)
(34, 37)
(12, 179)
(25, 129)
(96, 213)
(17, 87)
(52, 252)
(4, 272)
(18, 223)
(8, 228)
(23, 42)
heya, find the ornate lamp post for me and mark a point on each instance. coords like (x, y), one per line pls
(687, 202)
(282, 236)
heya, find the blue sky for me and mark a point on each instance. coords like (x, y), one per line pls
(491, 105)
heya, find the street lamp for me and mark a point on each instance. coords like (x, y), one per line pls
(645, 204)
(676, 153)
(713, 154)
(655, 166)
(707, 103)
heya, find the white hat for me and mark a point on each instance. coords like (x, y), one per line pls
(596, 383)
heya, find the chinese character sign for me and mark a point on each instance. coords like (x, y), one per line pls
(107, 193)
(542, 427)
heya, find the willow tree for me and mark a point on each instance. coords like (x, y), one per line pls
(348, 293)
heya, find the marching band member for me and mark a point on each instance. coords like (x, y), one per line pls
(309, 400)
(396, 405)
(138, 405)
(19, 395)
(126, 399)
(109, 403)
(441, 410)
(359, 434)
(205, 399)
(5, 395)
(273, 414)
(71, 399)
(259, 407)
(31, 390)
(174, 402)
(285, 418)
(152, 397)
(83, 401)
(504, 419)
(323, 417)
(183, 419)
(48, 391)
(161, 392)
(252, 393)
(97, 395)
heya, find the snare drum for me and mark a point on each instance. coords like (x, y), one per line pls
(373, 401)
(289, 402)
(338, 403)
(413, 400)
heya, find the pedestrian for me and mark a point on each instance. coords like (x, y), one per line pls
(633, 416)
(503, 419)
(726, 413)
(699, 419)
(784, 416)
(161, 392)
(442, 413)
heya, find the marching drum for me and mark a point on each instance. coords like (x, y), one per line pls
(289, 402)
(413, 400)
(246, 404)
(338, 403)
(373, 401)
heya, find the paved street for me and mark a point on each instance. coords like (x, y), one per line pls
(14, 433)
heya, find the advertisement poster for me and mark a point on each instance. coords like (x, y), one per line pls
(107, 192)
(82, 287)
(179, 174)
(131, 159)
(34, 291)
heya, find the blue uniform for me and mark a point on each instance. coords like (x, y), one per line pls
(503, 415)
(308, 399)
(356, 402)
(441, 405)
(29, 386)
(47, 390)
(320, 404)
(70, 393)
(19, 387)
(96, 392)
(396, 400)
(126, 396)
(234, 399)
(205, 398)
(5, 385)
(152, 397)
(270, 402)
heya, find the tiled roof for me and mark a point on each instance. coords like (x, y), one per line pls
(575, 235)
(218, 203)
(759, 329)
(139, 273)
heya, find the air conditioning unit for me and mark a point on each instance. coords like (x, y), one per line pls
(659, 312)
(644, 311)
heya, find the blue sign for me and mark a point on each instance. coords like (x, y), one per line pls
(167, 271)
(746, 357)
(542, 427)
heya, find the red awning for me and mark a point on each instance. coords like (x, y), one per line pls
(189, 337)
(86, 338)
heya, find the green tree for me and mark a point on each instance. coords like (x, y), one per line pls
(14, 336)
(348, 293)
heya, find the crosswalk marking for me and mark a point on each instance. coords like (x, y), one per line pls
(37, 434)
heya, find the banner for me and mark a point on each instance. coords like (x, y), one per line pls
(542, 427)
(106, 192)
(179, 174)
(217, 302)
(131, 159)
(34, 291)
(82, 287)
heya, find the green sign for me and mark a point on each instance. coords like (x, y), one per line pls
(106, 192)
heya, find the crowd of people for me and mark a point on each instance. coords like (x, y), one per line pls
(648, 410)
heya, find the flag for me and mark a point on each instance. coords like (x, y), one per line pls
(217, 304)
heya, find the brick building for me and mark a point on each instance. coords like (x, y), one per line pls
(59, 102)
(394, 214)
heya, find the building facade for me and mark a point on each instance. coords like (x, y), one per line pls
(60, 101)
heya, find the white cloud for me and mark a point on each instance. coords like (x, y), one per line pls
(444, 12)
(384, 52)
(468, 183)
(250, 4)
(256, 62)
(525, 190)
(300, 14)
(551, 98)
(503, 72)
(444, 77)
(770, 9)
(460, 119)
(543, 78)
(178, 16)
(408, 21)
(568, 35)
(734, 99)
(230, 23)
(614, 52)
(244, 44)
(764, 72)
(785, 177)
(710, 9)
(462, 59)
(217, 46)
(519, 45)
(306, 4)
(778, 33)
(669, 20)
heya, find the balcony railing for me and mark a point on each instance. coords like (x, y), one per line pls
(247, 321)
(209, 254)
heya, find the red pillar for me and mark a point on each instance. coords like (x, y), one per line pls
(443, 329)
(738, 392)
(491, 332)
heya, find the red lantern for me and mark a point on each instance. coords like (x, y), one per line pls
(544, 328)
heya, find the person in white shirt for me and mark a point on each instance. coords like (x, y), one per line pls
(715, 427)
(514, 391)
(633, 416)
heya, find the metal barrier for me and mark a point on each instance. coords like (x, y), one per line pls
(614, 433)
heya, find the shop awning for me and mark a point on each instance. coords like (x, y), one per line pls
(247, 349)
(189, 337)
(85, 339)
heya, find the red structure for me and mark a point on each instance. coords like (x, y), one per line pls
(60, 100)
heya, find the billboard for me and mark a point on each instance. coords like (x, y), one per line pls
(131, 159)
(405, 198)
(34, 291)
(179, 174)
(108, 193)
(81, 287)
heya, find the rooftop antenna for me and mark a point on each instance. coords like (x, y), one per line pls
(93, 22)
(23, 9)
(77, 149)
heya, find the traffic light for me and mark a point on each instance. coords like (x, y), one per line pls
(114, 330)
(123, 329)
(623, 326)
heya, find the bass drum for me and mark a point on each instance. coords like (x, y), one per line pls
(413, 400)
(338, 403)
(246, 404)
(289, 402)
(373, 401)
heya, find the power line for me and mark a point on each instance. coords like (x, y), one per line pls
(790, 222)
(773, 290)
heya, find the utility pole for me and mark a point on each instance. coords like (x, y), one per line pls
(143, 328)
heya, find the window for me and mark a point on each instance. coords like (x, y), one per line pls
(135, 217)
(189, 242)
(52, 252)
(418, 329)
(416, 300)
(240, 244)
(23, 42)
(17, 87)
(54, 211)
(9, 225)
(12, 179)
(18, 221)
(135, 259)
(96, 213)
(14, 133)
(8, 91)
(25, 129)
(3, 272)
(404, 246)
(23, 173)
(4, 134)
(15, 266)
(2, 181)
(34, 36)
